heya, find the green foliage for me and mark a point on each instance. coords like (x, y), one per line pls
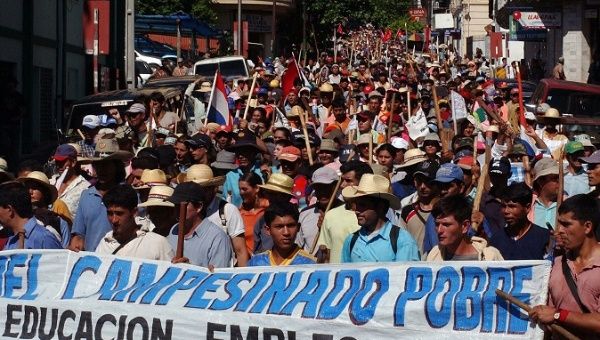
(200, 9)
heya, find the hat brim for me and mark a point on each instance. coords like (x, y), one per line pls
(351, 193)
(274, 188)
(238, 146)
(49, 187)
(120, 155)
(288, 157)
(413, 161)
(551, 171)
(223, 165)
(156, 203)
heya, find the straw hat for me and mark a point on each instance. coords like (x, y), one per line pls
(201, 174)
(151, 178)
(326, 87)
(40, 178)
(552, 113)
(158, 197)
(328, 145)
(364, 139)
(296, 111)
(279, 182)
(107, 149)
(412, 157)
(371, 185)
(204, 87)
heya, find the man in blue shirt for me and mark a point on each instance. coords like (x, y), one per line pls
(377, 240)
(282, 225)
(16, 214)
(91, 222)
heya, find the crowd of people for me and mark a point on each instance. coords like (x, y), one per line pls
(373, 157)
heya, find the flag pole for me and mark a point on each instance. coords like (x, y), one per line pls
(250, 95)
(334, 44)
(210, 99)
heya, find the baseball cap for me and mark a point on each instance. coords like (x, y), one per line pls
(500, 166)
(545, 167)
(399, 143)
(464, 142)
(348, 152)
(136, 108)
(324, 175)
(65, 151)
(530, 115)
(585, 140)
(465, 163)
(592, 159)
(106, 120)
(428, 169)
(290, 153)
(199, 140)
(449, 172)
(187, 192)
(91, 121)
(573, 147)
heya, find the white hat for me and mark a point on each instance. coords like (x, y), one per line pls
(158, 197)
(530, 115)
(91, 121)
(399, 143)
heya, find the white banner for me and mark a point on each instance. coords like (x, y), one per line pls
(459, 107)
(417, 125)
(538, 20)
(64, 295)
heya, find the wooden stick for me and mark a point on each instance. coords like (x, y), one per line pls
(527, 168)
(370, 147)
(561, 185)
(331, 200)
(391, 117)
(555, 328)
(250, 94)
(480, 188)
(181, 229)
(445, 146)
(306, 141)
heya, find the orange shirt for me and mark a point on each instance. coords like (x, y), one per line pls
(250, 217)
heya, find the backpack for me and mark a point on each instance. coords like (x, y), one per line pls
(394, 233)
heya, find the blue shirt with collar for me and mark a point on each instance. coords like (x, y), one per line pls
(208, 244)
(91, 221)
(36, 237)
(377, 247)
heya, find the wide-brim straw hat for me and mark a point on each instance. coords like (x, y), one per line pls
(280, 183)
(412, 157)
(371, 185)
(151, 178)
(552, 113)
(107, 149)
(158, 197)
(201, 174)
(364, 139)
(40, 178)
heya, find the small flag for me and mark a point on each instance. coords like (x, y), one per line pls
(289, 78)
(388, 35)
(219, 108)
(340, 30)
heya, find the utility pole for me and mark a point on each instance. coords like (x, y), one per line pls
(129, 47)
(178, 40)
(273, 26)
(304, 30)
(95, 58)
(239, 28)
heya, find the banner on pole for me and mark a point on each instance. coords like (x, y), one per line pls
(61, 294)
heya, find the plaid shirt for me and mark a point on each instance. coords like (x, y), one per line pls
(87, 150)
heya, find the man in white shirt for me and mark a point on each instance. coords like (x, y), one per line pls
(126, 238)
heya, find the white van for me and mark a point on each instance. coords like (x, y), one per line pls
(230, 67)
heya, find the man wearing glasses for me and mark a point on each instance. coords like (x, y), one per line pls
(136, 119)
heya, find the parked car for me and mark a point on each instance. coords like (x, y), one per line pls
(528, 86)
(143, 71)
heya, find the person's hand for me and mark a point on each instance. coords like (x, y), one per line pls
(266, 169)
(76, 244)
(243, 124)
(447, 155)
(529, 131)
(542, 314)
(182, 259)
(211, 268)
(477, 218)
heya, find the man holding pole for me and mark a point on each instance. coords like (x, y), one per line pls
(574, 288)
(205, 243)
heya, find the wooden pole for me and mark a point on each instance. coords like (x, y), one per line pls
(370, 147)
(391, 117)
(250, 94)
(521, 104)
(331, 200)
(480, 188)
(527, 168)
(561, 185)
(445, 146)
(181, 229)
(210, 99)
(306, 141)
(555, 328)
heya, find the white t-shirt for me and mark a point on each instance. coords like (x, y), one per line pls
(234, 225)
(147, 245)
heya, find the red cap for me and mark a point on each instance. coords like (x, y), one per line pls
(514, 91)
(290, 153)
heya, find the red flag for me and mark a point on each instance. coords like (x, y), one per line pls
(427, 37)
(289, 78)
(340, 30)
(399, 34)
(388, 35)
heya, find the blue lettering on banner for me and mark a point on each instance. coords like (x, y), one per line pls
(189, 280)
(361, 314)
(310, 295)
(328, 311)
(519, 321)
(417, 284)
(233, 290)
(491, 301)
(440, 318)
(474, 282)
(11, 281)
(277, 293)
(116, 279)
(32, 280)
(208, 285)
(252, 293)
(84, 264)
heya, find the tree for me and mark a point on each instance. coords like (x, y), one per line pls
(200, 9)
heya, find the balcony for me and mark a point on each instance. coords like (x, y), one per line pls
(282, 5)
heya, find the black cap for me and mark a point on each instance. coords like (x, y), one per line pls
(500, 166)
(199, 140)
(187, 192)
(427, 169)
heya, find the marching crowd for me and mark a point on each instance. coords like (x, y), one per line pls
(373, 157)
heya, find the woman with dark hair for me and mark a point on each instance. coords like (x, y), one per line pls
(252, 207)
(386, 154)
